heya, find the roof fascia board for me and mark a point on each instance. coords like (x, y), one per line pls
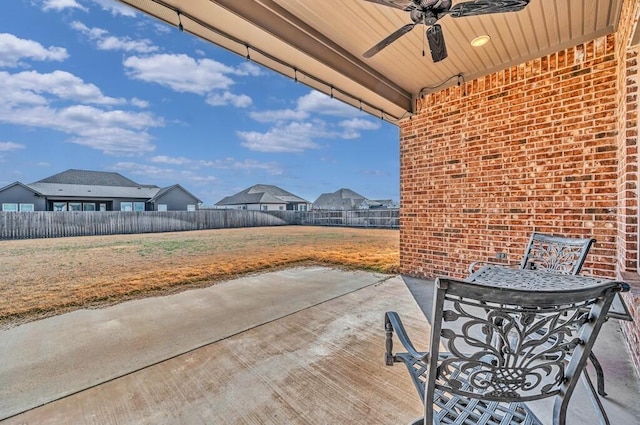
(280, 23)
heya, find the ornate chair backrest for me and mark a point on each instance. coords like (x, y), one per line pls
(495, 351)
(555, 253)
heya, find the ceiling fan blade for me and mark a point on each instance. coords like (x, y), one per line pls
(388, 40)
(398, 4)
(438, 48)
(485, 7)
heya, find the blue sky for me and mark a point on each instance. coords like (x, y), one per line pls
(91, 84)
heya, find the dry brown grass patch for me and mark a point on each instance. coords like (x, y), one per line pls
(42, 277)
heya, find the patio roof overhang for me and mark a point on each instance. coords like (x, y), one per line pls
(320, 42)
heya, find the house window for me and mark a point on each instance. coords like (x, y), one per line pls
(10, 207)
(281, 208)
(138, 206)
(27, 208)
(88, 206)
(191, 207)
(265, 207)
(126, 206)
(59, 206)
(75, 206)
(302, 207)
(103, 207)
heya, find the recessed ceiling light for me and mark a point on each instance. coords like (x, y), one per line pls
(480, 41)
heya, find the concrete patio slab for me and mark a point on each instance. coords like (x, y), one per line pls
(321, 365)
(52, 358)
(308, 358)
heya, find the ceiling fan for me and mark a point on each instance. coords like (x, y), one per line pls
(428, 12)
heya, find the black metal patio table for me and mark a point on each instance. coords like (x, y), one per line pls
(541, 280)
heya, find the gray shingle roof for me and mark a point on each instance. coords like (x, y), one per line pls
(342, 199)
(94, 191)
(262, 194)
(91, 178)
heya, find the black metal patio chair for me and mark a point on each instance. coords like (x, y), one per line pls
(556, 254)
(497, 361)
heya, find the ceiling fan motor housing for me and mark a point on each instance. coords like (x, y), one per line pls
(430, 18)
(429, 11)
(416, 16)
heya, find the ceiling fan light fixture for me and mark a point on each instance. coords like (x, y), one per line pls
(480, 40)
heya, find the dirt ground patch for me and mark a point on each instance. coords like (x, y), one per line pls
(44, 277)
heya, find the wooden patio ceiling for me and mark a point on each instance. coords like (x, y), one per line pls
(320, 43)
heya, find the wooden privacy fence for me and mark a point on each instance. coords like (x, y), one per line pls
(386, 219)
(50, 224)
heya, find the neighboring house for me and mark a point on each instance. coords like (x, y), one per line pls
(384, 204)
(346, 199)
(81, 190)
(342, 199)
(264, 197)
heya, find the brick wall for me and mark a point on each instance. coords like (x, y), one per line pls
(627, 245)
(530, 148)
(627, 115)
(549, 145)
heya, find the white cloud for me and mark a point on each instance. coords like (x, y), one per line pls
(180, 72)
(352, 127)
(13, 50)
(185, 74)
(228, 98)
(163, 159)
(248, 68)
(162, 28)
(360, 124)
(312, 103)
(198, 178)
(247, 165)
(10, 146)
(167, 174)
(279, 115)
(293, 137)
(320, 103)
(92, 33)
(291, 133)
(27, 99)
(143, 170)
(116, 8)
(111, 6)
(139, 103)
(60, 84)
(104, 41)
(59, 5)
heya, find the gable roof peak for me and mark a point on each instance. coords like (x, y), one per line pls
(261, 194)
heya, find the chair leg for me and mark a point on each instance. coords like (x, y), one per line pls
(599, 374)
(388, 355)
(604, 419)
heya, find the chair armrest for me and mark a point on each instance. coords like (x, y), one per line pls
(478, 264)
(393, 323)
